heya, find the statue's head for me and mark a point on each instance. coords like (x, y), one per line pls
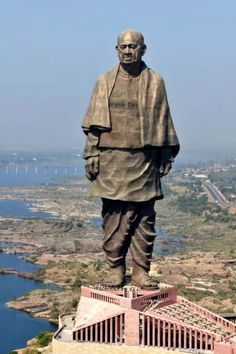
(130, 47)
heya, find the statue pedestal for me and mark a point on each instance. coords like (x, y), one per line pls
(134, 318)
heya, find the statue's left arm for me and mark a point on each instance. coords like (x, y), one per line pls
(166, 159)
(170, 147)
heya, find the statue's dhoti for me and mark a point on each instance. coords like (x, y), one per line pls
(128, 225)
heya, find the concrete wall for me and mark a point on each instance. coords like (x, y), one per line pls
(223, 348)
(59, 347)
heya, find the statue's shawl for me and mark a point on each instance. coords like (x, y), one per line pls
(156, 125)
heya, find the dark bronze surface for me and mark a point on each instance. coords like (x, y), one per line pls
(131, 143)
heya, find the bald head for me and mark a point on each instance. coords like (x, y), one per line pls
(130, 33)
(130, 47)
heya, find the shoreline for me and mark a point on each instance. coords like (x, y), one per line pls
(12, 271)
(19, 304)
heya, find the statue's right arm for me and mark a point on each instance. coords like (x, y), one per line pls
(91, 155)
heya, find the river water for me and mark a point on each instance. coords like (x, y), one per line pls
(20, 208)
(16, 327)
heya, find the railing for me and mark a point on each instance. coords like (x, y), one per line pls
(229, 338)
(152, 305)
(210, 315)
(109, 331)
(104, 298)
(163, 296)
(164, 333)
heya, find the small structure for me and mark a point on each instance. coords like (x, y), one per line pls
(156, 319)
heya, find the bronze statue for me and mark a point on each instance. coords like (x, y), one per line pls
(131, 143)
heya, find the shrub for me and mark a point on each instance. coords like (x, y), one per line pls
(54, 312)
(31, 351)
(191, 203)
(194, 294)
(40, 273)
(98, 264)
(232, 285)
(44, 338)
(78, 282)
(74, 302)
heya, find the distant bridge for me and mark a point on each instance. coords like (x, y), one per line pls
(41, 170)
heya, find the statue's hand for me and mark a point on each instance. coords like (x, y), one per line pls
(165, 168)
(92, 167)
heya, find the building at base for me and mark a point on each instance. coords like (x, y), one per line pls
(136, 320)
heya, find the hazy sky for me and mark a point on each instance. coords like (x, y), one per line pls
(52, 51)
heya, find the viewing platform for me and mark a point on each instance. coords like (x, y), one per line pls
(138, 320)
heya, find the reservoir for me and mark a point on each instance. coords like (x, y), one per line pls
(16, 327)
(20, 208)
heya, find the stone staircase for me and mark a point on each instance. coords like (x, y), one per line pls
(183, 313)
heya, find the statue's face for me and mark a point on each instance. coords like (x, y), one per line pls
(130, 48)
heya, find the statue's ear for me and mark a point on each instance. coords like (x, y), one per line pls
(144, 49)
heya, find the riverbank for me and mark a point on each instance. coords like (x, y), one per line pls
(15, 272)
(16, 327)
(36, 303)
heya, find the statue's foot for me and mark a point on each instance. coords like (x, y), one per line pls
(116, 278)
(144, 281)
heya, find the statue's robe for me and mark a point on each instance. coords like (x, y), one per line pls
(134, 131)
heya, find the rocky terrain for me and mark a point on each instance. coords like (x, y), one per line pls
(68, 250)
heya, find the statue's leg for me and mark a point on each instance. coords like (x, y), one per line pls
(142, 246)
(118, 221)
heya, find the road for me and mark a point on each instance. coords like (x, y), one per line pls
(215, 194)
